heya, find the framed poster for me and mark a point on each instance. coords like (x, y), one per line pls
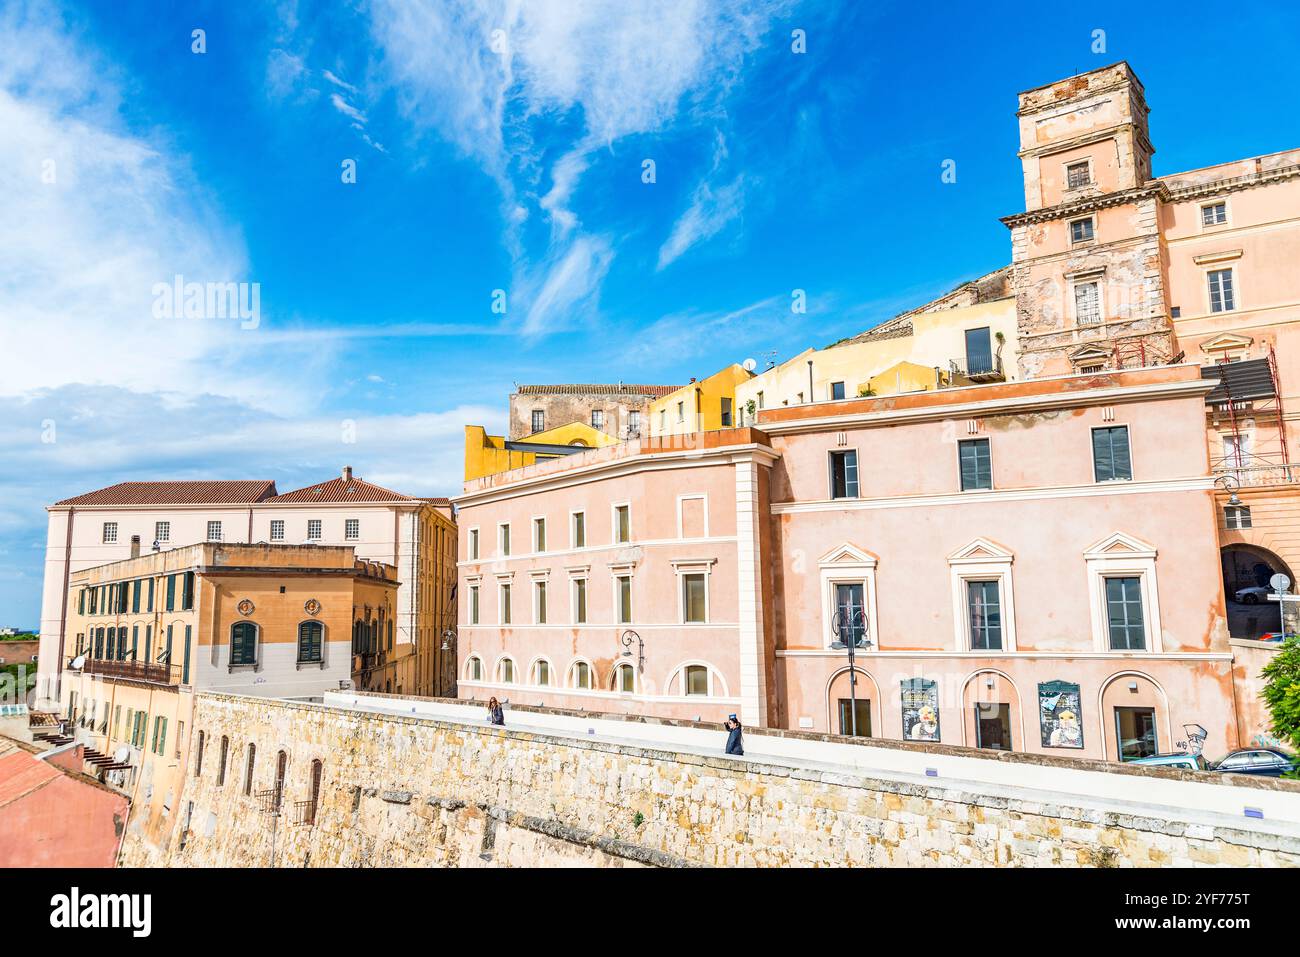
(920, 709)
(1060, 717)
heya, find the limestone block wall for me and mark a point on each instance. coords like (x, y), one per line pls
(415, 791)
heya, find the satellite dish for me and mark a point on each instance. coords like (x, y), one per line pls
(1280, 583)
(749, 365)
(78, 663)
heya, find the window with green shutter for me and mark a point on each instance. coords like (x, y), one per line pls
(311, 637)
(1110, 454)
(243, 643)
(171, 593)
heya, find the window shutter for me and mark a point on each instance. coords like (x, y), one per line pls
(1101, 457)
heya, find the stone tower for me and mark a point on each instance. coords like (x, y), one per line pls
(1087, 252)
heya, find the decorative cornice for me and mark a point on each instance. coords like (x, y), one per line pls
(1231, 184)
(1152, 190)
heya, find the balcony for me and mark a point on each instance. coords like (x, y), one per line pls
(1255, 476)
(151, 672)
(975, 368)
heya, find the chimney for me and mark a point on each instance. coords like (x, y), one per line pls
(347, 473)
(135, 546)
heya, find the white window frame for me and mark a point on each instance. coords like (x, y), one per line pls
(162, 531)
(1123, 556)
(681, 500)
(613, 513)
(108, 534)
(503, 533)
(573, 528)
(474, 607)
(1092, 451)
(1236, 288)
(682, 568)
(982, 560)
(618, 573)
(498, 674)
(277, 525)
(470, 662)
(830, 474)
(1101, 300)
(352, 529)
(320, 529)
(848, 565)
(1239, 511)
(1092, 230)
(616, 686)
(210, 524)
(1214, 227)
(538, 544)
(574, 578)
(505, 582)
(535, 580)
(550, 672)
(570, 677)
(472, 543)
(956, 451)
(716, 683)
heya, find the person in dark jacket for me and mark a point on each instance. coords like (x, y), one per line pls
(495, 715)
(735, 744)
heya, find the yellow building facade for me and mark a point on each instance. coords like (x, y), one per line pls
(703, 406)
(491, 454)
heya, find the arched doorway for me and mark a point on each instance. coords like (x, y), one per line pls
(1246, 573)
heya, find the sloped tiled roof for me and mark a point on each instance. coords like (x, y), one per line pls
(177, 493)
(341, 490)
(608, 388)
(1238, 381)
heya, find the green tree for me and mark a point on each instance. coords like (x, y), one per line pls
(1282, 693)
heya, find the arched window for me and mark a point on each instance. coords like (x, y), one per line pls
(506, 671)
(580, 675)
(625, 679)
(281, 763)
(248, 771)
(311, 642)
(243, 643)
(221, 762)
(474, 668)
(198, 757)
(313, 794)
(542, 672)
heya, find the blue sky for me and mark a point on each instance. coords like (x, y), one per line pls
(501, 146)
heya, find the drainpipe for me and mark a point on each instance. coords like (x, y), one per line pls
(811, 397)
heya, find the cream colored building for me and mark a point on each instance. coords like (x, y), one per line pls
(129, 519)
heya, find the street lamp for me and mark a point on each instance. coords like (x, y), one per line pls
(627, 638)
(447, 637)
(850, 629)
(1230, 485)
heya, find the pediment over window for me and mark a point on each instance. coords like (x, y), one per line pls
(847, 554)
(982, 549)
(1120, 544)
(1227, 342)
(1090, 354)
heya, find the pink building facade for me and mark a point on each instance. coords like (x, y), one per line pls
(1010, 562)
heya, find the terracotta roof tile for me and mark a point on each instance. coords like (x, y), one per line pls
(177, 493)
(589, 388)
(342, 490)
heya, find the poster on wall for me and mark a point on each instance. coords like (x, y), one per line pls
(1059, 714)
(920, 709)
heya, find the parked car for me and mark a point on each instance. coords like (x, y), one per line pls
(1267, 762)
(1188, 762)
(1253, 595)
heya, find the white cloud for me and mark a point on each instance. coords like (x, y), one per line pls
(711, 209)
(566, 288)
(347, 109)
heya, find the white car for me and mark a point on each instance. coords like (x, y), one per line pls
(1253, 595)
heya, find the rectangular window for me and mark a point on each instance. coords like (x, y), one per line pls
(844, 474)
(726, 413)
(855, 716)
(1124, 614)
(171, 593)
(539, 534)
(473, 544)
(214, 531)
(976, 464)
(1087, 303)
(151, 586)
(539, 420)
(1221, 294)
(473, 604)
(623, 586)
(352, 529)
(505, 604)
(580, 601)
(694, 599)
(681, 411)
(979, 351)
(539, 602)
(137, 587)
(695, 678)
(849, 625)
(633, 423)
(598, 418)
(579, 537)
(663, 419)
(503, 539)
(993, 726)
(984, 608)
(1111, 461)
(313, 529)
(623, 524)
(837, 390)
(117, 723)
(162, 531)
(110, 533)
(1236, 516)
(761, 400)
(1136, 732)
(277, 529)
(187, 592)
(1077, 174)
(1081, 230)
(1214, 214)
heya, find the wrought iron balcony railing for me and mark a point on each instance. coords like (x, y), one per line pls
(1249, 476)
(977, 369)
(152, 672)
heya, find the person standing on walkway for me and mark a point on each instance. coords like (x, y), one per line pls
(495, 714)
(735, 743)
